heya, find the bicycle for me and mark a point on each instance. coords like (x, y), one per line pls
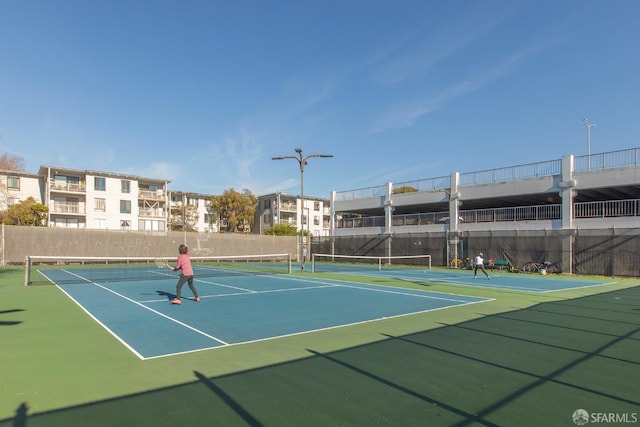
(538, 267)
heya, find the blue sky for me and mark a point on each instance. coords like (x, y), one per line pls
(205, 93)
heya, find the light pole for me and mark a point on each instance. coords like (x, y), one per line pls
(589, 126)
(302, 161)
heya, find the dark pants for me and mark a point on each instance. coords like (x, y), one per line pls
(480, 267)
(185, 279)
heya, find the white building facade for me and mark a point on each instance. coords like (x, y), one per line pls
(18, 186)
(113, 201)
(282, 208)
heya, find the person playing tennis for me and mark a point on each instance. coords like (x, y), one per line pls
(478, 263)
(186, 274)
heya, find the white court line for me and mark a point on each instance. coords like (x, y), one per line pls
(146, 308)
(328, 328)
(383, 288)
(323, 283)
(235, 294)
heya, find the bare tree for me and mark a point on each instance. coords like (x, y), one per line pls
(10, 162)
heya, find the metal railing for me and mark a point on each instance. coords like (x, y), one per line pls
(606, 209)
(512, 173)
(428, 218)
(429, 184)
(518, 213)
(368, 221)
(609, 160)
(599, 209)
(361, 193)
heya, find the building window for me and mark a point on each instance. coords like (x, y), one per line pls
(100, 184)
(125, 224)
(125, 206)
(100, 205)
(100, 223)
(316, 206)
(125, 186)
(13, 183)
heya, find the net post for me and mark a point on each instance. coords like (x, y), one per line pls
(27, 270)
(288, 263)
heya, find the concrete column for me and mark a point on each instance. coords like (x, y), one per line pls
(567, 193)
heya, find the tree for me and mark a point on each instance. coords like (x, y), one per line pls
(235, 210)
(183, 218)
(9, 162)
(404, 189)
(282, 230)
(27, 212)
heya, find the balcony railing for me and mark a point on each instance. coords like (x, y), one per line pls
(288, 206)
(68, 208)
(150, 195)
(67, 186)
(151, 212)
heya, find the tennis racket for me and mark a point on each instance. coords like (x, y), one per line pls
(162, 263)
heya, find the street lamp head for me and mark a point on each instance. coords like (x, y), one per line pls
(278, 158)
(326, 155)
(298, 150)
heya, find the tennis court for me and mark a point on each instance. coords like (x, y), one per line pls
(421, 271)
(439, 358)
(237, 305)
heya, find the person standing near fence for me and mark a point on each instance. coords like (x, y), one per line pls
(186, 275)
(304, 258)
(478, 264)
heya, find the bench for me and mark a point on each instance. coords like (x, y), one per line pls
(500, 264)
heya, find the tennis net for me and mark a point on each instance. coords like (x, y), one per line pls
(70, 269)
(340, 263)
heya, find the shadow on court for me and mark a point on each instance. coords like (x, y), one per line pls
(529, 367)
(10, 322)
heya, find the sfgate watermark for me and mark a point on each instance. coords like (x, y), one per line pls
(581, 417)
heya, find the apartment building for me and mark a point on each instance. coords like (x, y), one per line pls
(114, 201)
(282, 208)
(106, 200)
(16, 186)
(199, 216)
(103, 200)
(90, 199)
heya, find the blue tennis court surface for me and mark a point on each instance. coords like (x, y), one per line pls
(501, 280)
(237, 309)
